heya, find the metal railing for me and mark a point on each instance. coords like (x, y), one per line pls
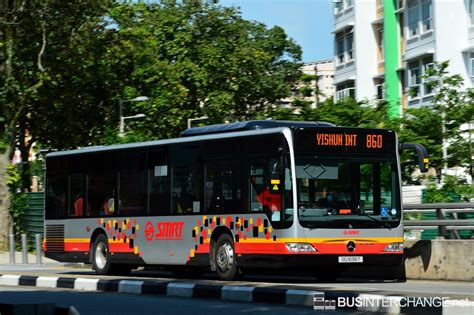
(447, 218)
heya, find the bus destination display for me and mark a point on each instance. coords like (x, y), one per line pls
(349, 140)
(371, 141)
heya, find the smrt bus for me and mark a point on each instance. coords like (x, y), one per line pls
(232, 197)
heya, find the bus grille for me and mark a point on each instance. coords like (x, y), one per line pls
(55, 238)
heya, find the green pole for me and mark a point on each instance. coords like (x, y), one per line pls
(390, 29)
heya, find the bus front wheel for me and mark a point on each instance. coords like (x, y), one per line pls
(224, 258)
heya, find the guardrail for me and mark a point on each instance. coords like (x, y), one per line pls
(447, 218)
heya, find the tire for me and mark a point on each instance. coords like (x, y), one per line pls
(225, 259)
(101, 256)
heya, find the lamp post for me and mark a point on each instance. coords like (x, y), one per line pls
(123, 118)
(195, 119)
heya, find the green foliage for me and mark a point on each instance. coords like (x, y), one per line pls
(456, 103)
(18, 199)
(198, 60)
(453, 189)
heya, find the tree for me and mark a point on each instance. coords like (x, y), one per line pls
(51, 78)
(196, 59)
(455, 105)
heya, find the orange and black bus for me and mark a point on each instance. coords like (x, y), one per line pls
(231, 197)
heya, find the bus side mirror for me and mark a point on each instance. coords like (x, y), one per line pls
(422, 154)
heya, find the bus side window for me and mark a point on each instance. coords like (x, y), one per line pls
(77, 200)
(265, 193)
(223, 187)
(132, 182)
(186, 190)
(101, 188)
(159, 181)
(56, 195)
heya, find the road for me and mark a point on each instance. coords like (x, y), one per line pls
(115, 303)
(411, 287)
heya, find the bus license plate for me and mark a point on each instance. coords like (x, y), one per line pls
(350, 259)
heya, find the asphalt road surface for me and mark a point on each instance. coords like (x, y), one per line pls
(116, 303)
(411, 287)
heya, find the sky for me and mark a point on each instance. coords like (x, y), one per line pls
(308, 22)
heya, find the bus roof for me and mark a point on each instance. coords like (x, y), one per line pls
(251, 125)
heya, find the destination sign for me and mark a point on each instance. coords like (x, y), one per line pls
(372, 141)
(350, 140)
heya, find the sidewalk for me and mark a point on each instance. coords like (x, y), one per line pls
(5, 259)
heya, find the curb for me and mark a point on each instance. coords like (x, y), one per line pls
(320, 300)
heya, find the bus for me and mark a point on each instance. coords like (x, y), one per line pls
(229, 198)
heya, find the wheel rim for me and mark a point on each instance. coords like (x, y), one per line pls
(225, 257)
(101, 255)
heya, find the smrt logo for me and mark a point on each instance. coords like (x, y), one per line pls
(164, 231)
(351, 232)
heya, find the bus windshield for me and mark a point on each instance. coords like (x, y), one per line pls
(347, 192)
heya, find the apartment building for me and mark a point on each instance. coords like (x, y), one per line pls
(322, 87)
(383, 48)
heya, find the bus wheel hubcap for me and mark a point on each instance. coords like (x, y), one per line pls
(101, 255)
(225, 257)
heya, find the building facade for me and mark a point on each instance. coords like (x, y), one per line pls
(383, 48)
(321, 89)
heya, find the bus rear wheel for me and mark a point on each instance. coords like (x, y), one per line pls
(224, 256)
(101, 260)
(101, 256)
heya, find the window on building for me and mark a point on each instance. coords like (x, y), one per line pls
(426, 16)
(427, 66)
(338, 7)
(471, 63)
(349, 4)
(471, 11)
(380, 90)
(414, 79)
(339, 49)
(345, 90)
(413, 18)
(381, 44)
(349, 44)
(418, 80)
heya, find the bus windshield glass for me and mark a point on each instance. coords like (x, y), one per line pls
(347, 192)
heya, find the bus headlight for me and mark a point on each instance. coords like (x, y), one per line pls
(300, 247)
(394, 247)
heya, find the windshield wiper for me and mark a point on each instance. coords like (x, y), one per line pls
(383, 223)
